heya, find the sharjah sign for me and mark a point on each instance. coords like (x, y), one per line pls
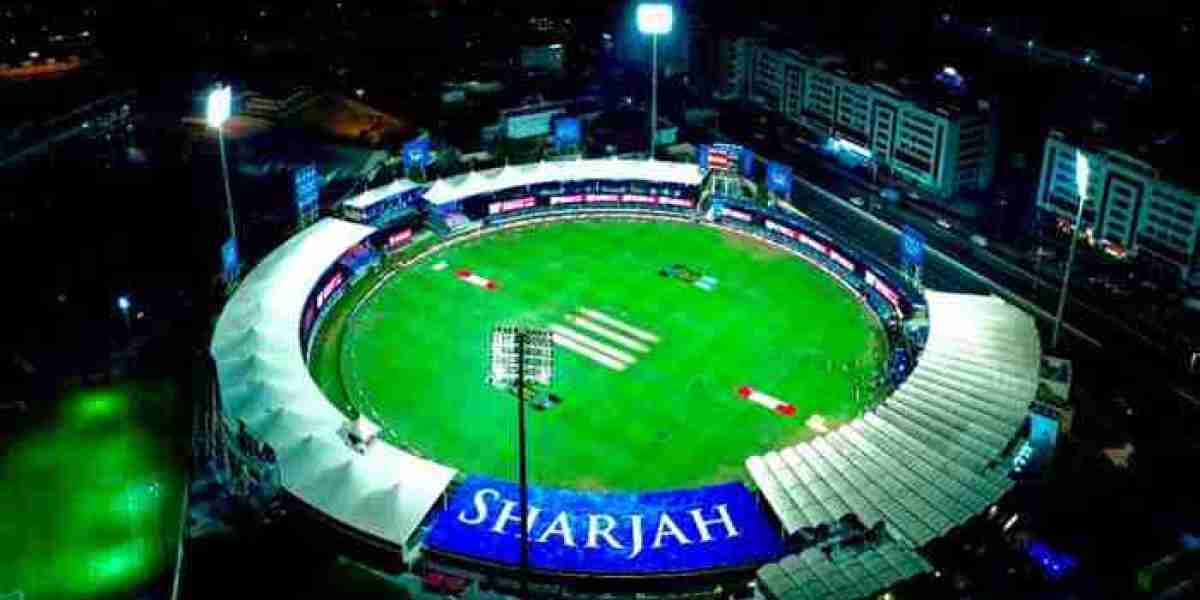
(703, 529)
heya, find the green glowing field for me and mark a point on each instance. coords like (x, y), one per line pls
(413, 355)
(91, 498)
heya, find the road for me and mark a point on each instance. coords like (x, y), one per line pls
(1081, 313)
(956, 264)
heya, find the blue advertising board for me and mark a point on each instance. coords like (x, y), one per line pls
(568, 133)
(306, 191)
(912, 247)
(231, 265)
(418, 153)
(612, 533)
(1036, 453)
(747, 162)
(779, 179)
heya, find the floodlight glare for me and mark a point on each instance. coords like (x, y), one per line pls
(219, 106)
(1082, 170)
(123, 303)
(655, 19)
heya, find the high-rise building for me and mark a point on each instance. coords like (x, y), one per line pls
(543, 58)
(932, 134)
(734, 70)
(1127, 200)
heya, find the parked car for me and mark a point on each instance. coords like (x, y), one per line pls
(944, 224)
(857, 201)
(979, 240)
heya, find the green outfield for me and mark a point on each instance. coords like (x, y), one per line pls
(660, 324)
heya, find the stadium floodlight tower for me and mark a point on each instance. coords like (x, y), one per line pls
(123, 305)
(1082, 170)
(654, 19)
(220, 103)
(519, 356)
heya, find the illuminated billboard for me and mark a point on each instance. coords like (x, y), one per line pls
(306, 191)
(568, 133)
(779, 179)
(680, 531)
(531, 122)
(231, 265)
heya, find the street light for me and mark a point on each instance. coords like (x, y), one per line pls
(1082, 170)
(654, 19)
(220, 103)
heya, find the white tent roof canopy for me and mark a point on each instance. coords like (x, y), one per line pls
(929, 457)
(454, 189)
(373, 195)
(265, 383)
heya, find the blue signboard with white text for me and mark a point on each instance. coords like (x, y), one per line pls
(779, 179)
(418, 153)
(912, 247)
(613, 533)
(306, 191)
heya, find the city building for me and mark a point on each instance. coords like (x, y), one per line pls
(930, 132)
(1129, 200)
(734, 69)
(543, 58)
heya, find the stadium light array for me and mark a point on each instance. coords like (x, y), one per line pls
(655, 18)
(220, 103)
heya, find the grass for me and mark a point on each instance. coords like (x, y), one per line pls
(90, 499)
(413, 357)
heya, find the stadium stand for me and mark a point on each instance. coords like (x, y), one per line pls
(455, 189)
(914, 467)
(815, 575)
(926, 459)
(264, 381)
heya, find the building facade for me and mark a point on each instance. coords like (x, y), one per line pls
(734, 69)
(941, 147)
(1126, 200)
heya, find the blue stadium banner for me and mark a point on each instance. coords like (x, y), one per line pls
(912, 247)
(1033, 456)
(418, 153)
(616, 533)
(306, 191)
(747, 162)
(231, 264)
(779, 179)
(568, 133)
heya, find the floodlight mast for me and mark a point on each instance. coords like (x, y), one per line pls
(220, 102)
(654, 19)
(1082, 170)
(511, 349)
(523, 464)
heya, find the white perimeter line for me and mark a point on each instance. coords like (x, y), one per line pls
(628, 342)
(626, 327)
(584, 340)
(611, 363)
